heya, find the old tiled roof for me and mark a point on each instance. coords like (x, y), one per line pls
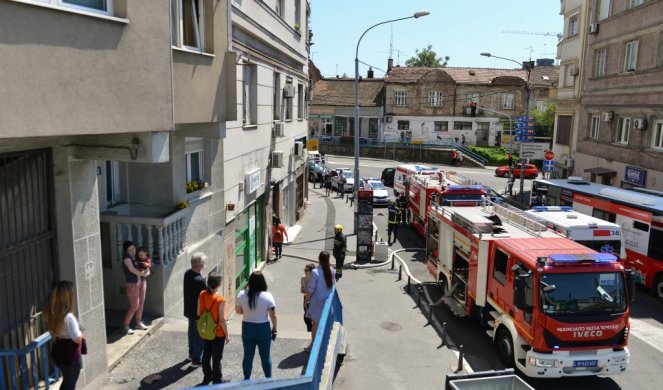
(544, 76)
(341, 92)
(460, 75)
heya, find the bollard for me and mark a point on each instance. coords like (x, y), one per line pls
(393, 261)
(444, 334)
(400, 271)
(430, 315)
(419, 296)
(460, 359)
(407, 288)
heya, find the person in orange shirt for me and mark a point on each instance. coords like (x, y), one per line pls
(279, 232)
(213, 349)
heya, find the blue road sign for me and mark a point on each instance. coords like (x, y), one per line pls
(548, 165)
(522, 118)
(525, 125)
(524, 138)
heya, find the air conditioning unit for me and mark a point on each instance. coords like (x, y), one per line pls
(593, 28)
(277, 160)
(606, 116)
(569, 162)
(573, 70)
(279, 129)
(299, 149)
(388, 119)
(640, 124)
(289, 91)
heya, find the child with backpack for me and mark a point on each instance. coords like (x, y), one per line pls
(213, 329)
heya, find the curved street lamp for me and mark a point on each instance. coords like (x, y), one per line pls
(416, 15)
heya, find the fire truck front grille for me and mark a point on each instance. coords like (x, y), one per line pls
(553, 342)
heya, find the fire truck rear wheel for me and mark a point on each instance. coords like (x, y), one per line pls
(504, 345)
(658, 287)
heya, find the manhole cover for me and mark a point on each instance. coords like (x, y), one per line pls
(391, 326)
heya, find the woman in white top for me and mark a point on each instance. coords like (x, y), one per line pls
(258, 307)
(67, 333)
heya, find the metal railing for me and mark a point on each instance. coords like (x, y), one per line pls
(28, 367)
(332, 318)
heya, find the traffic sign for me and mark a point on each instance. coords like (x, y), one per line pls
(524, 138)
(522, 118)
(548, 155)
(548, 165)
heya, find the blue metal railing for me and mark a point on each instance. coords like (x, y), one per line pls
(27, 374)
(466, 151)
(331, 313)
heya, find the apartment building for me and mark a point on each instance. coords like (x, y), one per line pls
(620, 123)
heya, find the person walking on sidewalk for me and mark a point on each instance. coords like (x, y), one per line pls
(393, 219)
(279, 232)
(257, 307)
(326, 178)
(209, 300)
(321, 284)
(134, 278)
(194, 283)
(340, 247)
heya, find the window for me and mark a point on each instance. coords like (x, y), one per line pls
(298, 12)
(113, 190)
(401, 98)
(435, 98)
(300, 101)
(249, 91)
(441, 126)
(189, 24)
(403, 125)
(564, 129)
(288, 102)
(657, 140)
(604, 215)
(472, 97)
(104, 7)
(373, 127)
(340, 125)
(507, 101)
(599, 61)
(462, 125)
(351, 126)
(541, 105)
(633, 3)
(499, 266)
(573, 25)
(277, 96)
(280, 8)
(483, 126)
(604, 9)
(630, 56)
(623, 127)
(594, 130)
(193, 151)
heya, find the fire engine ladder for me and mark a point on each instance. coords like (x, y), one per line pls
(517, 217)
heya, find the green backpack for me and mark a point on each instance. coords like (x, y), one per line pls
(206, 325)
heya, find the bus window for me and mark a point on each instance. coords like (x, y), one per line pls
(601, 245)
(604, 215)
(655, 247)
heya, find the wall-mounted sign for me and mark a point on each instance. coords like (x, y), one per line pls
(635, 176)
(253, 181)
(312, 145)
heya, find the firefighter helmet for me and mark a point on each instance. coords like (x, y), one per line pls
(339, 228)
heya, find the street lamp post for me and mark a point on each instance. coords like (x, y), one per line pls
(356, 129)
(527, 66)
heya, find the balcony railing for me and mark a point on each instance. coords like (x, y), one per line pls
(29, 367)
(164, 238)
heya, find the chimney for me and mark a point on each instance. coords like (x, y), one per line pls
(390, 64)
(370, 73)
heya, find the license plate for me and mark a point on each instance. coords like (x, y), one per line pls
(585, 363)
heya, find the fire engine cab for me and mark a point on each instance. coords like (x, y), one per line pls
(553, 307)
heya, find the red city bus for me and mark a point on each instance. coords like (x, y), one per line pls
(638, 212)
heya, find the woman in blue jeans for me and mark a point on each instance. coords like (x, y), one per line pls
(257, 307)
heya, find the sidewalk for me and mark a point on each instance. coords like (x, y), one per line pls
(389, 346)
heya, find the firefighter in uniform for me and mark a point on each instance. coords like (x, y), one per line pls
(340, 246)
(393, 219)
(401, 203)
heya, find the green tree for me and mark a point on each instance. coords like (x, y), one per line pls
(427, 58)
(545, 120)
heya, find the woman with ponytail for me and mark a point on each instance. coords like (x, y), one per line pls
(322, 281)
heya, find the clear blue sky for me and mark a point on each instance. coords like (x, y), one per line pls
(458, 29)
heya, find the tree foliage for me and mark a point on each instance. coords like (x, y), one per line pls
(427, 58)
(545, 120)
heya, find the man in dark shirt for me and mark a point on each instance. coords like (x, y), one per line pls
(194, 283)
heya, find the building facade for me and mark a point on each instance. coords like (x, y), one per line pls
(620, 126)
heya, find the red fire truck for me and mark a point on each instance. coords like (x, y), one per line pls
(553, 307)
(435, 188)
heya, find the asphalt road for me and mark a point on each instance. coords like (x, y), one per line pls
(645, 343)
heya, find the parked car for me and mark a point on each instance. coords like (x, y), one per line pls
(380, 192)
(315, 171)
(531, 171)
(387, 177)
(347, 175)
